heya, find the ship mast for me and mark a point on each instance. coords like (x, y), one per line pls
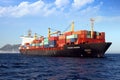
(49, 32)
(35, 36)
(72, 26)
(29, 33)
(92, 26)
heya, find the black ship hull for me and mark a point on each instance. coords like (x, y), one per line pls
(80, 50)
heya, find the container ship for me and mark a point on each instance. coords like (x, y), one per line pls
(80, 43)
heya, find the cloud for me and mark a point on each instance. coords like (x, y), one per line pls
(77, 4)
(92, 10)
(107, 18)
(24, 8)
(40, 8)
(61, 3)
(47, 10)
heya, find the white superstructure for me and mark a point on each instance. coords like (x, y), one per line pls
(27, 39)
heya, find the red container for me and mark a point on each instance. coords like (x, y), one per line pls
(103, 35)
(41, 38)
(101, 40)
(61, 41)
(61, 45)
(77, 32)
(33, 47)
(98, 37)
(36, 41)
(52, 38)
(27, 44)
(83, 36)
(62, 37)
(68, 41)
(84, 31)
(79, 41)
(68, 33)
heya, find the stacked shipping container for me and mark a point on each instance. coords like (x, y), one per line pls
(71, 39)
(68, 38)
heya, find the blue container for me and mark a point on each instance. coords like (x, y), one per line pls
(73, 39)
(52, 43)
(46, 46)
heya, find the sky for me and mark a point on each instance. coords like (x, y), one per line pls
(18, 16)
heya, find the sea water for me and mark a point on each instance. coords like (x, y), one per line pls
(21, 67)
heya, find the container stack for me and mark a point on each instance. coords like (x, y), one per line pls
(46, 42)
(33, 45)
(88, 34)
(100, 35)
(68, 38)
(52, 41)
(68, 33)
(71, 38)
(41, 44)
(62, 40)
(83, 34)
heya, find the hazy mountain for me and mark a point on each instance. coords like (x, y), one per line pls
(8, 48)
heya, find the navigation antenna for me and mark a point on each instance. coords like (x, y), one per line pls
(92, 26)
(29, 33)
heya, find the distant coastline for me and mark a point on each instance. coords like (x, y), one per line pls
(9, 51)
(8, 48)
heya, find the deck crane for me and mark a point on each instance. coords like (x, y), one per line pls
(51, 33)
